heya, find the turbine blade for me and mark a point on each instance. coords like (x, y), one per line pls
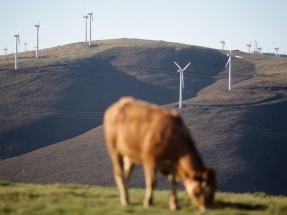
(186, 66)
(182, 80)
(20, 29)
(229, 46)
(221, 36)
(37, 18)
(93, 7)
(227, 62)
(237, 56)
(177, 65)
(19, 40)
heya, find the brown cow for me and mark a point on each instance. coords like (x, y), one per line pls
(139, 132)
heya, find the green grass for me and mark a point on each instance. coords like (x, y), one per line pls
(72, 199)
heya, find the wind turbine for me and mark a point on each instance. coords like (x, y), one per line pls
(181, 82)
(25, 45)
(38, 26)
(277, 49)
(6, 49)
(230, 55)
(86, 17)
(91, 19)
(223, 41)
(249, 45)
(16, 52)
(260, 48)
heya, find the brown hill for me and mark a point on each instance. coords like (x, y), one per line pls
(242, 133)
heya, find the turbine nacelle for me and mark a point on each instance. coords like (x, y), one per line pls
(91, 13)
(38, 26)
(181, 73)
(180, 70)
(18, 35)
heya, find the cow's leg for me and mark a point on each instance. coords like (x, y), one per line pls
(118, 165)
(128, 167)
(173, 200)
(150, 180)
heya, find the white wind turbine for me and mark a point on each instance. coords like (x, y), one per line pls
(86, 17)
(222, 41)
(38, 26)
(91, 19)
(249, 45)
(181, 82)
(230, 55)
(6, 49)
(16, 52)
(25, 45)
(277, 49)
(260, 48)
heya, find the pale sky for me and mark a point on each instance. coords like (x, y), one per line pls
(194, 22)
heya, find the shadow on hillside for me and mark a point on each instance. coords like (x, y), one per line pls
(97, 83)
(263, 148)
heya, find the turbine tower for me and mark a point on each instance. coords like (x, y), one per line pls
(25, 46)
(86, 17)
(91, 19)
(230, 55)
(223, 42)
(249, 45)
(17, 41)
(38, 26)
(181, 82)
(6, 49)
(277, 49)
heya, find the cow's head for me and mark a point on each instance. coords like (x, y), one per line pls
(201, 188)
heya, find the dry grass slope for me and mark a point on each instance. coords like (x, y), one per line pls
(51, 111)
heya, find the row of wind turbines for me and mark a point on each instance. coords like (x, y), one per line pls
(89, 14)
(257, 49)
(17, 36)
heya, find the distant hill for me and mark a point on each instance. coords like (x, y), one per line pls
(52, 107)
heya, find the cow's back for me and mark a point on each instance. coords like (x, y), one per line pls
(138, 129)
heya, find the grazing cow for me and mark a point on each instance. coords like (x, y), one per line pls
(139, 132)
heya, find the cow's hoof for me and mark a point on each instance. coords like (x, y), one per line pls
(147, 203)
(124, 202)
(173, 203)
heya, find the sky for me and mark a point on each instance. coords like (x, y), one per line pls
(193, 22)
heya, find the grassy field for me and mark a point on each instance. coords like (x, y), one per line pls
(79, 199)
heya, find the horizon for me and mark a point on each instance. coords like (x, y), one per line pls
(187, 22)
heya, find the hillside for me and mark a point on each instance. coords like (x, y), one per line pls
(51, 111)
